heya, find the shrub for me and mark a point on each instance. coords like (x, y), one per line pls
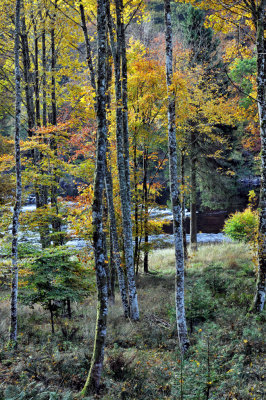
(242, 226)
(55, 279)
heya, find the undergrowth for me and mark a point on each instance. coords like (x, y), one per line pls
(142, 360)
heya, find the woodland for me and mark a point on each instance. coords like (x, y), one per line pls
(132, 199)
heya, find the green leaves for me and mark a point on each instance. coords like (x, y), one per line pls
(54, 275)
(242, 226)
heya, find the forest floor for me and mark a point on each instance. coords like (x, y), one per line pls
(142, 360)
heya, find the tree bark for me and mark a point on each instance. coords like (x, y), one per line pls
(112, 269)
(93, 380)
(87, 45)
(36, 74)
(115, 241)
(122, 39)
(56, 223)
(146, 210)
(123, 182)
(193, 194)
(259, 16)
(108, 179)
(44, 79)
(28, 78)
(136, 209)
(177, 221)
(15, 226)
(183, 204)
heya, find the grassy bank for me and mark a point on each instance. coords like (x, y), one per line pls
(142, 359)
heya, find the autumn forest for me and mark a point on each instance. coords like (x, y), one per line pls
(132, 199)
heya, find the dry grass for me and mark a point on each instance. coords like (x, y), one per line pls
(227, 254)
(141, 358)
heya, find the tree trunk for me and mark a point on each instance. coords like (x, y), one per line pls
(260, 16)
(115, 241)
(87, 45)
(43, 195)
(193, 194)
(123, 183)
(53, 117)
(69, 312)
(112, 269)
(36, 74)
(146, 210)
(56, 223)
(93, 380)
(44, 79)
(51, 316)
(121, 30)
(29, 84)
(108, 181)
(177, 222)
(15, 227)
(183, 202)
(136, 210)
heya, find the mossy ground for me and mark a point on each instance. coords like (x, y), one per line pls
(225, 360)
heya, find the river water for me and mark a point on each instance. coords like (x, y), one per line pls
(209, 229)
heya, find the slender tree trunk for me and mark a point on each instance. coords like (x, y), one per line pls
(29, 84)
(56, 223)
(115, 241)
(93, 380)
(36, 73)
(112, 269)
(122, 38)
(146, 210)
(107, 270)
(53, 118)
(136, 209)
(193, 194)
(183, 204)
(44, 78)
(16, 212)
(260, 17)
(87, 45)
(69, 311)
(108, 181)
(45, 230)
(123, 182)
(51, 316)
(177, 221)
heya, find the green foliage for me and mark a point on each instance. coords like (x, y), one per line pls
(55, 275)
(34, 391)
(242, 73)
(242, 226)
(199, 38)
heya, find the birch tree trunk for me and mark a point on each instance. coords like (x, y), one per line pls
(122, 40)
(28, 78)
(115, 242)
(123, 182)
(108, 181)
(177, 220)
(146, 210)
(44, 79)
(36, 74)
(193, 194)
(93, 380)
(15, 227)
(58, 238)
(259, 16)
(183, 204)
(136, 208)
